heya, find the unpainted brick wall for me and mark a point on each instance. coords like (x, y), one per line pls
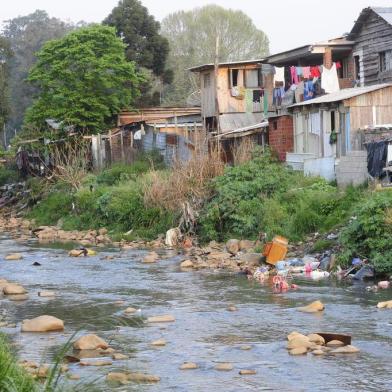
(281, 135)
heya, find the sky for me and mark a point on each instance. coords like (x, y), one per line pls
(288, 23)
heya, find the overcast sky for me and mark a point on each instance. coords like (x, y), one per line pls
(288, 23)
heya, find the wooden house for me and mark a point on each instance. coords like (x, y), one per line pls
(328, 131)
(372, 51)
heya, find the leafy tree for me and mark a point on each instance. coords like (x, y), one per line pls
(192, 37)
(5, 55)
(144, 45)
(83, 79)
(26, 35)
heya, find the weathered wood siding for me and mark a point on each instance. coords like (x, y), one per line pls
(370, 109)
(207, 95)
(374, 37)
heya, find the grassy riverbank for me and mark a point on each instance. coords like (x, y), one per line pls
(13, 378)
(258, 195)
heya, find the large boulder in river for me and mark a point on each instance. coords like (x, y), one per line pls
(43, 324)
(13, 289)
(90, 342)
(233, 246)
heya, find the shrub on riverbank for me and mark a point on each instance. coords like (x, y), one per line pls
(369, 233)
(12, 376)
(262, 195)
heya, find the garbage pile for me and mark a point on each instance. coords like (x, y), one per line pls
(15, 195)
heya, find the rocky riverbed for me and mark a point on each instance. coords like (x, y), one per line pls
(221, 332)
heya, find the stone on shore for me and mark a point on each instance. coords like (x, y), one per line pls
(189, 366)
(161, 319)
(224, 367)
(314, 307)
(90, 342)
(13, 289)
(251, 259)
(14, 256)
(233, 246)
(150, 258)
(43, 324)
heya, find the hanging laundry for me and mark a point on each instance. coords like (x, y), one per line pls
(278, 94)
(299, 92)
(306, 72)
(299, 71)
(338, 65)
(308, 90)
(294, 75)
(279, 75)
(315, 72)
(329, 80)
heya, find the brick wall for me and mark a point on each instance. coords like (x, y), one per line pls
(281, 135)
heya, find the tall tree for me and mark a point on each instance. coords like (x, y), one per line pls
(5, 55)
(192, 38)
(144, 45)
(83, 79)
(26, 35)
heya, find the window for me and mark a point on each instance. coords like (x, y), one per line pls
(333, 123)
(236, 77)
(253, 78)
(257, 95)
(385, 61)
(207, 80)
(357, 68)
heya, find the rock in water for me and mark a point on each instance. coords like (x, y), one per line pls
(141, 377)
(117, 377)
(233, 246)
(385, 304)
(152, 257)
(315, 338)
(161, 319)
(130, 310)
(14, 256)
(334, 343)
(316, 306)
(299, 342)
(43, 324)
(298, 351)
(189, 366)
(247, 372)
(173, 237)
(46, 293)
(225, 367)
(77, 252)
(187, 264)
(345, 350)
(159, 343)
(119, 356)
(13, 289)
(90, 342)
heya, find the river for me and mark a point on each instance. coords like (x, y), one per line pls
(204, 331)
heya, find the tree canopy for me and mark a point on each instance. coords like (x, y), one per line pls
(83, 79)
(26, 35)
(192, 38)
(140, 32)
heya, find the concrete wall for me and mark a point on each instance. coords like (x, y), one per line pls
(352, 169)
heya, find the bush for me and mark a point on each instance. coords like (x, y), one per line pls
(262, 195)
(368, 235)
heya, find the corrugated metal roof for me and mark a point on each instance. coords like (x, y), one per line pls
(384, 12)
(203, 67)
(342, 95)
(234, 121)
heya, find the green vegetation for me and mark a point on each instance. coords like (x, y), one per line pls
(13, 378)
(113, 199)
(264, 196)
(368, 235)
(84, 80)
(8, 175)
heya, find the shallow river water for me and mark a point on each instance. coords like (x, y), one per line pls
(204, 331)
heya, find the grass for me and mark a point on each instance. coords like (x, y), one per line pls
(13, 378)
